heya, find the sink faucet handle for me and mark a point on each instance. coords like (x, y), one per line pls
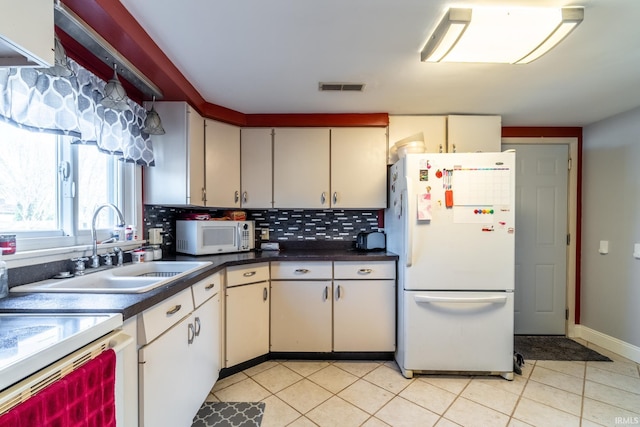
(107, 258)
(118, 251)
(80, 267)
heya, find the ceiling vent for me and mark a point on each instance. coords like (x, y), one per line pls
(340, 87)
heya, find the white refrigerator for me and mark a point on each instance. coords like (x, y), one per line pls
(451, 220)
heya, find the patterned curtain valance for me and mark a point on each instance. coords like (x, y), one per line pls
(71, 106)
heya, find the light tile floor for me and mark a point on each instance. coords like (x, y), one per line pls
(357, 393)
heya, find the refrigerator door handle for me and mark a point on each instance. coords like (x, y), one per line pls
(408, 215)
(495, 299)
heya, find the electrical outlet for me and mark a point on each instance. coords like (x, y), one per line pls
(264, 233)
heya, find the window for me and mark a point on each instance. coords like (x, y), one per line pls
(50, 187)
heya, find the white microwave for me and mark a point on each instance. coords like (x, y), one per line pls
(214, 237)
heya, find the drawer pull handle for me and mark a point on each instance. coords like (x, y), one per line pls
(174, 309)
(338, 292)
(265, 294)
(326, 293)
(249, 274)
(197, 326)
(365, 271)
(191, 333)
(302, 271)
(209, 286)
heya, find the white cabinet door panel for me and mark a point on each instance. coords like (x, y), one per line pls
(247, 320)
(222, 163)
(301, 168)
(256, 166)
(301, 316)
(364, 316)
(358, 168)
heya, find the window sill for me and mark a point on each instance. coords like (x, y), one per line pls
(39, 256)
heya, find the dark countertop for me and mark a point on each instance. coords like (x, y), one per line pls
(130, 305)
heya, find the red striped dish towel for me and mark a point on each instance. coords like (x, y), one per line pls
(84, 398)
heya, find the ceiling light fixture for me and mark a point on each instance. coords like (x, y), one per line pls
(115, 97)
(152, 123)
(497, 35)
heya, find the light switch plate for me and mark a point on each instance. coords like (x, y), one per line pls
(604, 247)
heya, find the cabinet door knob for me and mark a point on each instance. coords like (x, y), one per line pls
(173, 310)
(365, 271)
(191, 333)
(236, 196)
(301, 271)
(204, 194)
(249, 274)
(335, 197)
(326, 293)
(338, 292)
(323, 198)
(265, 294)
(244, 197)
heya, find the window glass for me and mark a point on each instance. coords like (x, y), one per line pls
(28, 180)
(97, 185)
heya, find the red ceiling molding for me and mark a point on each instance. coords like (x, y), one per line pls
(537, 132)
(317, 120)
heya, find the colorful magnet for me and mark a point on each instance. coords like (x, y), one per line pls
(438, 174)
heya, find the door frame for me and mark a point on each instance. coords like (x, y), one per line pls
(572, 273)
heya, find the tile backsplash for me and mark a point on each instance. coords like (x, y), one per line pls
(285, 225)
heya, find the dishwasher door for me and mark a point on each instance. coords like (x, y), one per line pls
(457, 332)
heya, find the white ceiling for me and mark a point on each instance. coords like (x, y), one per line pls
(258, 56)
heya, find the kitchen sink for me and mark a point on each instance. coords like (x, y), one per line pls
(132, 278)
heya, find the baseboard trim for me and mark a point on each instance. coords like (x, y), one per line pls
(607, 342)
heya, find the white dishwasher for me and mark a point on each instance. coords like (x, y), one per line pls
(36, 350)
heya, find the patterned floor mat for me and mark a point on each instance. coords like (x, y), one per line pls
(229, 414)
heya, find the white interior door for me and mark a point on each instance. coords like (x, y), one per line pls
(541, 238)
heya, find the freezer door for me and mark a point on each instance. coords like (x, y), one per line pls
(457, 331)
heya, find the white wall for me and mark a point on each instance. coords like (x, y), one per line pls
(610, 296)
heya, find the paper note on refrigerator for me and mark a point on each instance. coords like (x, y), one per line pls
(482, 186)
(424, 206)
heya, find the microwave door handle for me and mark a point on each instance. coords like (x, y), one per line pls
(239, 236)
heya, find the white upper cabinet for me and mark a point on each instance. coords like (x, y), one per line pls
(358, 168)
(472, 134)
(26, 33)
(432, 130)
(222, 164)
(256, 168)
(301, 168)
(178, 175)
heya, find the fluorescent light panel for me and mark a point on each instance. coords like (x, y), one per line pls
(494, 35)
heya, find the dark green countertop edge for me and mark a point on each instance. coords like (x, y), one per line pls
(130, 305)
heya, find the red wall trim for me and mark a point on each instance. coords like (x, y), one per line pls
(317, 120)
(560, 132)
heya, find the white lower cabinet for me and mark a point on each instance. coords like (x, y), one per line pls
(247, 313)
(364, 315)
(179, 359)
(355, 311)
(364, 306)
(301, 315)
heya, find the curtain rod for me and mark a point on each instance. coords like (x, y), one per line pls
(81, 32)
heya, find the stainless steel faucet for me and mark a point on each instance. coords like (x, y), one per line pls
(95, 261)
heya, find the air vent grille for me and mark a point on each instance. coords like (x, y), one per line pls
(341, 87)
